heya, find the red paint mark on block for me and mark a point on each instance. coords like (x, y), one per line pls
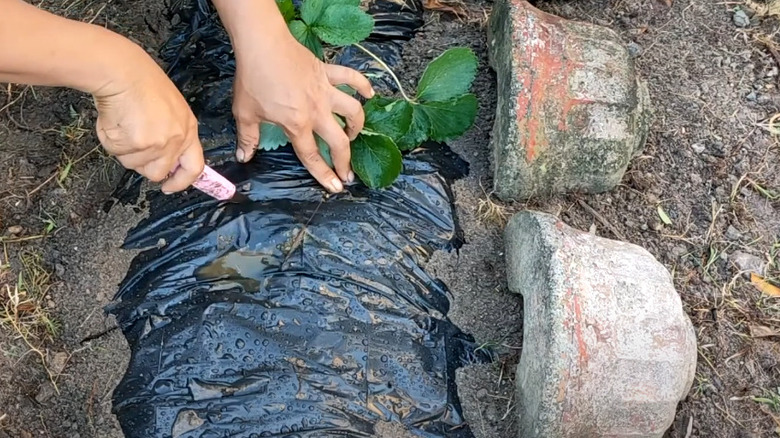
(544, 67)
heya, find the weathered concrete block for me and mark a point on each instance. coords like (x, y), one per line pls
(571, 110)
(607, 349)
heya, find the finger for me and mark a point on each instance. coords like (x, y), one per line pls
(248, 139)
(338, 75)
(306, 149)
(157, 170)
(338, 142)
(190, 166)
(136, 160)
(352, 111)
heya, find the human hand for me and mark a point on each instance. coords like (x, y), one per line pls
(280, 81)
(146, 123)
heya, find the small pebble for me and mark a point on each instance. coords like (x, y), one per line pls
(748, 262)
(740, 18)
(634, 50)
(698, 148)
(16, 229)
(751, 97)
(732, 233)
(45, 393)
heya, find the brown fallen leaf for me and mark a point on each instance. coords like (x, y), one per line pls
(439, 5)
(761, 331)
(764, 286)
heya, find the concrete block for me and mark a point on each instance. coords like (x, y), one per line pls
(608, 350)
(571, 111)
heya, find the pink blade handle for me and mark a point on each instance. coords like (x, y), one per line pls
(215, 185)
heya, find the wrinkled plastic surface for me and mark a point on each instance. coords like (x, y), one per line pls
(296, 314)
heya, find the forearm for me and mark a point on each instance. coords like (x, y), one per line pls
(253, 25)
(40, 48)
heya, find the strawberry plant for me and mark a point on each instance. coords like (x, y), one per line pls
(442, 109)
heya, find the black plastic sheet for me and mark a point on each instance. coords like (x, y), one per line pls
(296, 314)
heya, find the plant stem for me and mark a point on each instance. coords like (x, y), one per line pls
(386, 67)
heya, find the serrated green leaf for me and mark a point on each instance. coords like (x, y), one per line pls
(448, 76)
(376, 160)
(287, 8)
(272, 137)
(386, 116)
(311, 10)
(418, 130)
(305, 36)
(451, 119)
(342, 25)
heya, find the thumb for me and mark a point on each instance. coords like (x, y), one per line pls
(248, 139)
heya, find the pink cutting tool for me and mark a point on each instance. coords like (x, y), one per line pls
(215, 185)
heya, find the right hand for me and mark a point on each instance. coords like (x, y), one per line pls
(145, 122)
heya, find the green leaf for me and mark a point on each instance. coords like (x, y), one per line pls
(664, 217)
(342, 25)
(448, 76)
(287, 8)
(376, 160)
(305, 36)
(404, 122)
(388, 116)
(418, 130)
(346, 89)
(311, 10)
(451, 119)
(324, 151)
(272, 137)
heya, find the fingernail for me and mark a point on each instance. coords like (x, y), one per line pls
(167, 192)
(336, 184)
(240, 155)
(351, 177)
(373, 93)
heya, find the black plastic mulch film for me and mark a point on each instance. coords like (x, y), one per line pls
(296, 314)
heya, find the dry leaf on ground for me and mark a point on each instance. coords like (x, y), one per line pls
(439, 5)
(761, 331)
(764, 286)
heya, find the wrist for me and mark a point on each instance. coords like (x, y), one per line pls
(120, 64)
(253, 25)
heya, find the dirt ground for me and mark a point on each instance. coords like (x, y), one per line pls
(710, 164)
